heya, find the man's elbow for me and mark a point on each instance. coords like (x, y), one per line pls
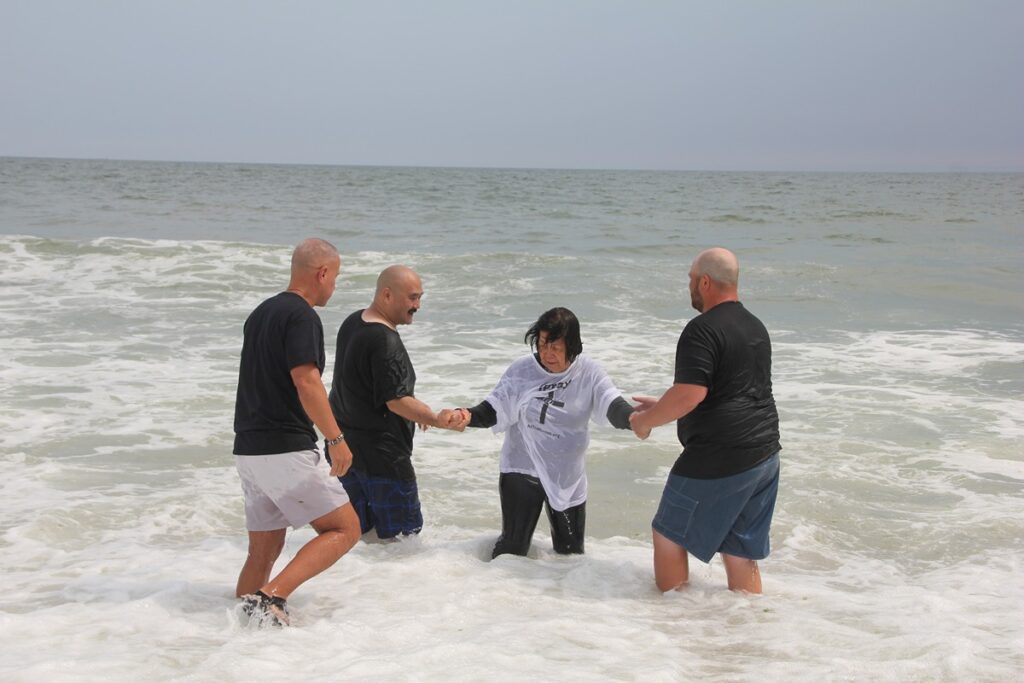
(307, 386)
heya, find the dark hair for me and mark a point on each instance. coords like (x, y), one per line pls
(558, 323)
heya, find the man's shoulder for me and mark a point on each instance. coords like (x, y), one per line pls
(286, 305)
(371, 335)
(354, 327)
(738, 313)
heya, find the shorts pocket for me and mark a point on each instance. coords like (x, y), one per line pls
(675, 512)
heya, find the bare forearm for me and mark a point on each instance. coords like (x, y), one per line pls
(313, 397)
(678, 401)
(411, 408)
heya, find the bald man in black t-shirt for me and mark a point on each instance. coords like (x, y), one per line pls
(285, 479)
(373, 399)
(720, 496)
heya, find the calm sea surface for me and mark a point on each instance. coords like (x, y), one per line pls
(896, 305)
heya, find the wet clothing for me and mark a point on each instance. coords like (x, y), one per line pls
(390, 506)
(285, 480)
(282, 333)
(483, 415)
(731, 515)
(287, 489)
(522, 498)
(720, 495)
(727, 350)
(371, 368)
(545, 417)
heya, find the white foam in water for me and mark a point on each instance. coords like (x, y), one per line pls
(897, 544)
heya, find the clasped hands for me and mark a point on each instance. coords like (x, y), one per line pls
(636, 419)
(455, 419)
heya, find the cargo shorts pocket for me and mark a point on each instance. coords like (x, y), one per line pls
(675, 512)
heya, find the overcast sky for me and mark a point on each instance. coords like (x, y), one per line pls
(685, 84)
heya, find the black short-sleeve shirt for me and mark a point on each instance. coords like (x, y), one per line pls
(371, 368)
(727, 350)
(282, 333)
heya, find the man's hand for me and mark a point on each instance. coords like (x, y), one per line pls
(341, 459)
(644, 403)
(452, 418)
(678, 401)
(635, 420)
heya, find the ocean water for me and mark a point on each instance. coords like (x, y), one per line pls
(896, 309)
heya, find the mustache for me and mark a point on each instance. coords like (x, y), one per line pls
(413, 310)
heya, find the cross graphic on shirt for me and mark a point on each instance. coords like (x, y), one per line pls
(548, 400)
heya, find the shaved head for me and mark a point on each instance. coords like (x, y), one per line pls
(395, 278)
(313, 253)
(315, 266)
(714, 277)
(399, 290)
(718, 264)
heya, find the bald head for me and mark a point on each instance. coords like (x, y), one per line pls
(714, 277)
(315, 266)
(395, 277)
(399, 290)
(312, 254)
(718, 264)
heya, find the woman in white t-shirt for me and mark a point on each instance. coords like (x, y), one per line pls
(544, 403)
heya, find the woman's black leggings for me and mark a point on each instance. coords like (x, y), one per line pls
(522, 497)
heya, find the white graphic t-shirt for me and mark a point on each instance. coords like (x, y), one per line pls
(545, 417)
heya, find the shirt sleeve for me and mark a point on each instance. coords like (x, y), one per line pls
(619, 412)
(604, 393)
(483, 415)
(393, 375)
(504, 399)
(696, 356)
(303, 341)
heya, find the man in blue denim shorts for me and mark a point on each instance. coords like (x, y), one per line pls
(721, 492)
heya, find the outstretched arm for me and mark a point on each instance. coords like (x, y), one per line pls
(678, 401)
(411, 408)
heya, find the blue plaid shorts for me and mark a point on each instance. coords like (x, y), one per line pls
(390, 506)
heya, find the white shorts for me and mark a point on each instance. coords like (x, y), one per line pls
(287, 489)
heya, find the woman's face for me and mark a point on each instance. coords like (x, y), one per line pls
(552, 354)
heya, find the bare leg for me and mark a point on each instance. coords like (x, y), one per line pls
(742, 573)
(671, 564)
(337, 532)
(264, 549)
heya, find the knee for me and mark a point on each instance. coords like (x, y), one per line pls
(341, 540)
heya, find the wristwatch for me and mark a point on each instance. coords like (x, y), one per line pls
(336, 441)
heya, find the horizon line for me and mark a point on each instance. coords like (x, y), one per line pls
(952, 169)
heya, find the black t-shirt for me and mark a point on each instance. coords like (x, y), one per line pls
(736, 426)
(371, 368)
(283, 332)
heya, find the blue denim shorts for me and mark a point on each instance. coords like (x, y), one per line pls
(729, 515)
